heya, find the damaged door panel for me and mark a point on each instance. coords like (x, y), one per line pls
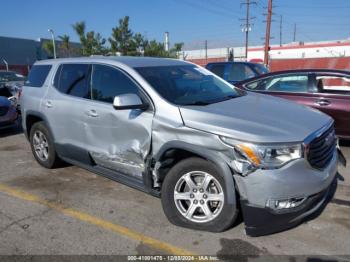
(117, 139)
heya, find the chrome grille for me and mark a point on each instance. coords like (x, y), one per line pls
(320, 150)
(3, 110)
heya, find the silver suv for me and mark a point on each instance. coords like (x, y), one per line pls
(177, 131)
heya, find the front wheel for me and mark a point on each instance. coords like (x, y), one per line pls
(194, 196)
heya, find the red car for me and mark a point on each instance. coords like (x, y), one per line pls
(323, 89)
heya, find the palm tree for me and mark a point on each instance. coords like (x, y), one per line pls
(48, 47)
(79, 28)
(65, 45)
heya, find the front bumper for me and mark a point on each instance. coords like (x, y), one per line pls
(296, 180)
(263, 221)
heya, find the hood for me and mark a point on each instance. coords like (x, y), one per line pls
(256, 118)
(4, 101)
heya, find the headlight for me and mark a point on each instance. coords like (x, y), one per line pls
(248, 156)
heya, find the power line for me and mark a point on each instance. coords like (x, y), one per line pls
(197, 6)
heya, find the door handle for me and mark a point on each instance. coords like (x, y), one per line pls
(322, 102)
(92, 113)
(48, 104)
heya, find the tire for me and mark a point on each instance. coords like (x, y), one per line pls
(177, 178)
(51, 160)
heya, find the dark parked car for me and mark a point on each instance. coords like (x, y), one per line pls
(8, 113)
(10, 77)
(11, 86)
(234, 72)
(323, 89)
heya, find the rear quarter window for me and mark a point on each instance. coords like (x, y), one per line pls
(38, 75)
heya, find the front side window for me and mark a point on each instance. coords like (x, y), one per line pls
(239, 72)
(290, 83)
(108, 82)
(73, 79)
(38, 75)
(188, 84)
(333, 84)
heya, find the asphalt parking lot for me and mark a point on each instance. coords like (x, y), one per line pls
(72, 211)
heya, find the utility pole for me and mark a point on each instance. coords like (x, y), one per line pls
(247, 26)
(268, 30)
(281, 30)
(206, 51)
(295, 33)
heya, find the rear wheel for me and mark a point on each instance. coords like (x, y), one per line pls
(42, 146)
(194, 196)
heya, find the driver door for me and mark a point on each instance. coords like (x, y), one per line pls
(119, 140)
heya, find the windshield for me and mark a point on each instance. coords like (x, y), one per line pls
(188, 84)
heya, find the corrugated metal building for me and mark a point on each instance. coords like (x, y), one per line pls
(20, 53)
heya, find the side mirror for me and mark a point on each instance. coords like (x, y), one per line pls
(129, 101)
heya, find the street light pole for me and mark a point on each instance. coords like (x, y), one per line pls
(53, 42)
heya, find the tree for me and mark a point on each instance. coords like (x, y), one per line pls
(48, 47)
(140, 43)
(177, 49)
(65, 45)
(121, 39)
(155, 48)
(92, 43)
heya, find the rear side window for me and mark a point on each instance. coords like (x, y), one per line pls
(73, 79)
(37, 75)
(288, 83)
(218, 69)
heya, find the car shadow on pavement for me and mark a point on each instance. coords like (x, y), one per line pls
(344, 143)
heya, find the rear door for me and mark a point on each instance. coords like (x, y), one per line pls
(64, 106)
(332, 96)
(119, 140)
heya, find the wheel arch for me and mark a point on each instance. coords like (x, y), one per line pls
(185, 150)
(33, 117)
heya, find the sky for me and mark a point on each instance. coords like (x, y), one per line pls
(188, 21)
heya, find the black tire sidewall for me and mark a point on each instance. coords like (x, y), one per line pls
(52, 159)
(222, 222)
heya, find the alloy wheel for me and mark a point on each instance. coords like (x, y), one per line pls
(199, 197)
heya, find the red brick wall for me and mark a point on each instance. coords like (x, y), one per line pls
(330, 63)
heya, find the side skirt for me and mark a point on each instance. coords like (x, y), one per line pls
(115, 176)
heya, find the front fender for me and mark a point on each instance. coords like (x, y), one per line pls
(211, 156)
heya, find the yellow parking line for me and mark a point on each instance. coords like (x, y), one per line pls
(129, 233)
